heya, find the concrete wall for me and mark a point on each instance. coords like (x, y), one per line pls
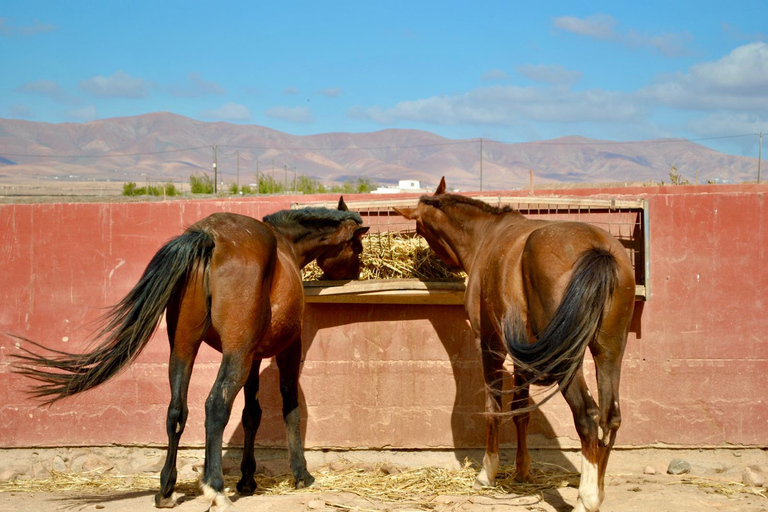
(387, 376)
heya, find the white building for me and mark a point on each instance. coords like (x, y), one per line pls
(402, 186)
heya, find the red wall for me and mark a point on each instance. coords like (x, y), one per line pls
(375, 376)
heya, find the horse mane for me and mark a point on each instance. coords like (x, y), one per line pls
(442, 200)
(310, 219)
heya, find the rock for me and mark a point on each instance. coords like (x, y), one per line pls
(679, 467)
(316, 504)
(11, 474)
(339, 465)
(230, 466)
(390, 469)
(58, 465)
(189, 472)
(154, 465)
(649, 470)
(91, 462)
(752, 478)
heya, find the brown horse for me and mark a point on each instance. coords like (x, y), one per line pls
(234, 283)
(542, 291)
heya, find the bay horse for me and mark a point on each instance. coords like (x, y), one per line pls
(542, 292)
(234, 283)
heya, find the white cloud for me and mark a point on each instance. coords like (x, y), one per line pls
(50, 89)
(117, 85)
(738, 81)
(196, 87)
(510, 106)
(228, 112)
(87, 113)
(493, 74)
(292, 114)
(330, 92)
(550, 74)
(7, 30)
(291, 90)
(598, 26)
(604, 27)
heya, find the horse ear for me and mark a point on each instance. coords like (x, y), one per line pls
(342, 205)
(359, 232)
(440, 187)
(408, 213)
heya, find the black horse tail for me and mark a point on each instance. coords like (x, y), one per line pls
(127, 326)
(559, 348)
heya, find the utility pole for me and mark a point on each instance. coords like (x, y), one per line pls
(481, 164)
(272, 185)
(238, 169)
(294, 180)
(215, 168)
(759, 156)
(258, 178)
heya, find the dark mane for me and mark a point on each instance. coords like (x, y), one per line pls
(311, 218)
(442, 200)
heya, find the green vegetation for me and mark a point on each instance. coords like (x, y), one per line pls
(167, 189)
(676, 178)
(359, 186)
(201, 184)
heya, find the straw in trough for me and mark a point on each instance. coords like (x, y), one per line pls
(394, 255)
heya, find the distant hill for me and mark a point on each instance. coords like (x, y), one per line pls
(76, 151)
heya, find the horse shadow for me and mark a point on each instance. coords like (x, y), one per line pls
(370, 334)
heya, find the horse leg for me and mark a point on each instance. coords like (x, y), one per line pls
(185, 341)
(520, 399)
(233, 373)
(493, 364)
(608, 364)
(289, 362)
(251, 421)
(586, 416)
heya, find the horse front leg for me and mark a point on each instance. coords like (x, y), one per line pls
(289, 363)
(586, 416)
(232, 375)
(493, 365)
(251, 422)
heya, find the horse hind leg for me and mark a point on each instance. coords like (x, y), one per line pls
(520, 400)
(289, 364)
(493, 365)
(586, 416)
(185, 337)
(233, 373)
(251, 422)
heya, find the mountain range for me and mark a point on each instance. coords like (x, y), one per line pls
(168, 147)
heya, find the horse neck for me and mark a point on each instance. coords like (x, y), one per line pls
(464, 233)
(306, 246)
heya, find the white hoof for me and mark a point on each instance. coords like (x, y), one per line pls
(219, 501)
(169, 502)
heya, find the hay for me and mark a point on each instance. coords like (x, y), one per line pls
(394, 255)
(729, 489)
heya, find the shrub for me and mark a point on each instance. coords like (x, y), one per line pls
(201, 184)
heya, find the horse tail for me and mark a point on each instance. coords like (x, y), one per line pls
(127, 326)
(559, 349)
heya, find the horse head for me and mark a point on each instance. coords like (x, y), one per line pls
(341, 260)
(428, 222)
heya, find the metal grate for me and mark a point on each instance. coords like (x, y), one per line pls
(627, 220)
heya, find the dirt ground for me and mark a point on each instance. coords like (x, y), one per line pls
(713, 483)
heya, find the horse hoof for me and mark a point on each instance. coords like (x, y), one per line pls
(163, 502)
(305, 481)
(481, 484)
(246, 488)
(523, 478)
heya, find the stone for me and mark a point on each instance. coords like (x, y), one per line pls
(58, 464)
(679, 467)
(390, 469)
(11, 474)
(91, 462)
(752, 478)
(339, 465)
(649, 470)
(316, 504)
(154, 465)
(189, 471)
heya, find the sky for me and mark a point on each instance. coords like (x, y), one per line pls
(503, 70)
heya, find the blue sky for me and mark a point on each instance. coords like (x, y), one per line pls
(509, 71)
